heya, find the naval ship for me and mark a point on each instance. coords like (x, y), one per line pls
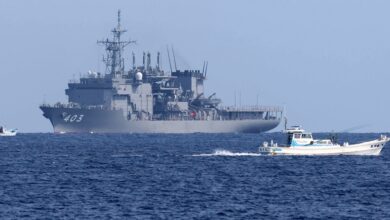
(146, 99)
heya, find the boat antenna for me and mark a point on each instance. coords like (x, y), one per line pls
(169, 59)
(205, 70)
(158, 60)
(284, 116)
(174, 58)
(119, 19)
(235, 98)
(148, 60)
(204, 64)
(239, 93)
(143, 59)
(133, 60)
(285, 122)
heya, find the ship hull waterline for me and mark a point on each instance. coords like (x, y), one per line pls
(78, 120)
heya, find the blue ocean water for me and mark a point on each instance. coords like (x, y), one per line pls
(195, 176)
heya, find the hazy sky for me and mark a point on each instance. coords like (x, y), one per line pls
(328, 62)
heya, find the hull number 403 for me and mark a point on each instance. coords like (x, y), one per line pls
(72, 118)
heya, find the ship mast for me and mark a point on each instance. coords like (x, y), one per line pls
(114, 49)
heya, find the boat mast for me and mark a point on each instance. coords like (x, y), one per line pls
(114, 49)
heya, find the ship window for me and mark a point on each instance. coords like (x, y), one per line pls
(297, 136)
(306, 135)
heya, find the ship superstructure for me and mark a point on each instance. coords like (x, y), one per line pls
(145, 99)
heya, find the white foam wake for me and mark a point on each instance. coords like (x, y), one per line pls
(227, 153)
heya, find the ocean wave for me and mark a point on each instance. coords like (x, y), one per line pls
(221, 152)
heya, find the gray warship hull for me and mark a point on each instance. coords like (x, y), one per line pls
(73, 120)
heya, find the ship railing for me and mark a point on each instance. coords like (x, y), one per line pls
(72, 105)
(73, 81)
(251, 108)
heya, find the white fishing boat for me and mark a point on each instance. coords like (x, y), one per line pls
(8, 132)
(300, 142)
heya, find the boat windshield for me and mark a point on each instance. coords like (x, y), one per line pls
(306, 136)
(323, 142)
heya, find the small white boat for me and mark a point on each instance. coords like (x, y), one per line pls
(301, 142)
(8, 132)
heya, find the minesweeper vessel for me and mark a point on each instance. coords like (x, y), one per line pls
(146, 99)
(300, 142)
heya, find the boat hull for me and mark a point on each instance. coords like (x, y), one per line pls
(80, 120)
(8, 133)
(367, 148)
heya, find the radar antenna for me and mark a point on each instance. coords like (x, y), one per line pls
(114, 49)
(174, 58)
(169, 59)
